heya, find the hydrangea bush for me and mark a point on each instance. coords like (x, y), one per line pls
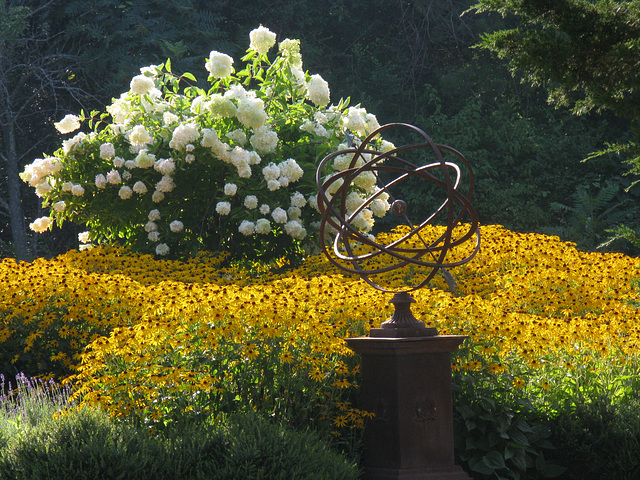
(174, 168)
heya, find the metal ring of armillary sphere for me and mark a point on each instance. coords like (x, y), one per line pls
(392, 169)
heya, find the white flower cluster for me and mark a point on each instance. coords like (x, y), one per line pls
(40, 174)
(159, 144)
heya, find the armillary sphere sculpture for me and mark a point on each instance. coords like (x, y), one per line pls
(416, 255)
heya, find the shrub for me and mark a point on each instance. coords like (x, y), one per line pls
(87, 443)
(175, 169)
(598, 439)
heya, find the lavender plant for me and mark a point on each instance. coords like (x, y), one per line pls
(30, 401)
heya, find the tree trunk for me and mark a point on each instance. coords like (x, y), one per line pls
(16, 212)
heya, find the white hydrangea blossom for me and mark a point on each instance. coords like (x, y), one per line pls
(365, 180)
(76, 140)
(139, 136)
(157, 196)
(176, 226)
(141, 84)
(40, 225)
(263, 226)
(363, 221)
(237, 92)
(271, 172)
(183, 135)
(265, 209)
(273, 185)
(221, 106)
(169, 118)
(238, 136)
(139, 187)
(262, 39)
(279, 215)
(43, 189)
(312, 201)
(294, 212)
(219, 65)
(386, 146)
(354, 200)
(162, 249)
(318, 91)
(291, 51)
(68, 124)
(198, 105)
(59, 206)
(83, 237)
(154, 215)
(247, 228)
(125, 192)
(166, 166)
(251, 202)
(359, 121)
(77, 190)
(113, 177)
(264, 140)
(342, 162)
(165, 185)
(150, 226)
(254, 158)
(107, 151)
(230, 189)
(118, 162)
(379, 207)
(290, 169)
(101, 181)
(251, 112)
(299, 80)
(298, 200)
(295, 230)
(223, 208)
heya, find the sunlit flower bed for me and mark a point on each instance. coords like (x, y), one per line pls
(155, 338)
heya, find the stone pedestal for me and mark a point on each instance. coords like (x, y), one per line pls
(406, 382)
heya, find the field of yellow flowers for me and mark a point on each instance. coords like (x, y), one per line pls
(155, 338)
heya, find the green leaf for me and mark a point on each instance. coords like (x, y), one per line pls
(494, 460)
(553, 471)
(519, 437)
(478, 465)
(519, 461)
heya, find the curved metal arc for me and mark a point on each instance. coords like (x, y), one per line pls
(346, 232)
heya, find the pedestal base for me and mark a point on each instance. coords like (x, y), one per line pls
(406, 383)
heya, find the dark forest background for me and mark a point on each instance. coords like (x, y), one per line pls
(404, 61)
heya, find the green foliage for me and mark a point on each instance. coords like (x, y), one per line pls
(115, 38)
(571, 417)
(497, 433)
(599, 439)
(522, 158)
(86, 443)
(585, 53)
(589, 221)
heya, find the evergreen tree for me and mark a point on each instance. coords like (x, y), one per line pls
(585, 53)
